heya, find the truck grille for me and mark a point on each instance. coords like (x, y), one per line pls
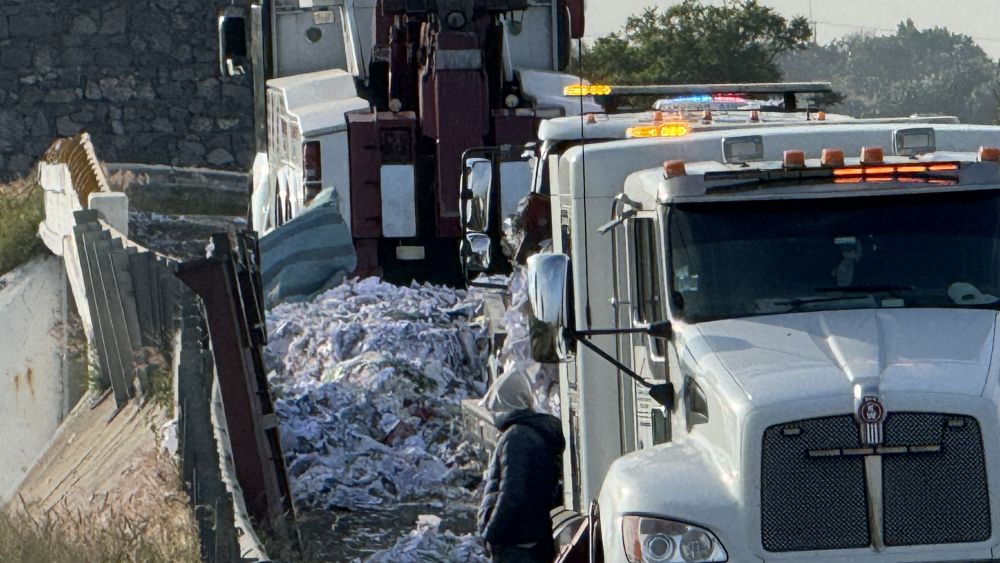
(814, 494)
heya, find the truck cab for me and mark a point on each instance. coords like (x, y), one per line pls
(779, 346)
(753, 107)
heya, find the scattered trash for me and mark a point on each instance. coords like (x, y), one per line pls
(168, 438)
(428, 544)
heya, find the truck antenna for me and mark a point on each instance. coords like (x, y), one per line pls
(583, 160)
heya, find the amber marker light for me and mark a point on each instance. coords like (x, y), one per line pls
(674, 130)
(674, 168)
(911, 168)
(872, 155)
(794, 159)
(665, 130)
(579, 90)
(989, 154)
(832, 157)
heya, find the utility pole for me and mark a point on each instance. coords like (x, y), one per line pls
(812, 20)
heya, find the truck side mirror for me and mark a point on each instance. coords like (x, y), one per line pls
(478, 182)
(232, 41)
(548, 276)
(477, 252)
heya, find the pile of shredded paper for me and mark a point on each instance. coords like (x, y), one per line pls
(368, 378)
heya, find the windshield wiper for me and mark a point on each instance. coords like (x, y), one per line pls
(799, 302)
(854, 293)
(865, 289)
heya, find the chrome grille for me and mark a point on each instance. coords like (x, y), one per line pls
(814, 494)
(935, 496)
(812, 502)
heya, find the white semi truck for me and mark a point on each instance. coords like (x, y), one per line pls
(778, 343)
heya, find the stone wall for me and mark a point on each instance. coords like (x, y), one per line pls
(141, 76)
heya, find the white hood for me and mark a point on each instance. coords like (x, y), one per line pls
(794, 356)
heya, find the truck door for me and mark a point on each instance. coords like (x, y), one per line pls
(645, 305)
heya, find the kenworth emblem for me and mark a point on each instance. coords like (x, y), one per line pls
(871, 414)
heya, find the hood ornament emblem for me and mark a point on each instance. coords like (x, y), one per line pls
(871, 415)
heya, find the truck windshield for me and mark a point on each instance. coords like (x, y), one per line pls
(740, 259)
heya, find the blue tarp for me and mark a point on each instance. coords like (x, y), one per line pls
(308, 255)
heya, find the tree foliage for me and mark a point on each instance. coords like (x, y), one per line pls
(690, 42)
(911, 71)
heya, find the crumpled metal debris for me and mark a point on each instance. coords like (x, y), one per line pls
(369, 378)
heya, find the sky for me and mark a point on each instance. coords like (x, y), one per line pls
(834, 18)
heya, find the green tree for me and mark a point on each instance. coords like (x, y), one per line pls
(690, 42)
(912, 71)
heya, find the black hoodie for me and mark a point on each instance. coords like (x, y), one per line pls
(522, 481)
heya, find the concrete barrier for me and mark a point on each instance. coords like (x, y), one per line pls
(34, 385)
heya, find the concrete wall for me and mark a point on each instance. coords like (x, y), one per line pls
(33, 395)
(139, 75)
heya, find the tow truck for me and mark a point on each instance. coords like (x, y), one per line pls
(777, 343)
(378, 99)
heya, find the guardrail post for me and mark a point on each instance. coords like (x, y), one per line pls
(230, 297)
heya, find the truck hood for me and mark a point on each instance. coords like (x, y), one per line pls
(819, 354)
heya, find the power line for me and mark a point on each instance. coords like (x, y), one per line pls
(887, 30)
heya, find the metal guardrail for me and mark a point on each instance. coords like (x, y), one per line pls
(131, 294)
(149, 326)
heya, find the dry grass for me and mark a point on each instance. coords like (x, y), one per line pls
(22, 208)
(144, 517)
(58, 536)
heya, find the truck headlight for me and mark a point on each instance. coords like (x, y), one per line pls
(655, 540)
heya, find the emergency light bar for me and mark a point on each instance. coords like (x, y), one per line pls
(787, 90)
(758, 88)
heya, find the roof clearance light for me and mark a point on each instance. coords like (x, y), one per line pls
(580, 90)
(665, 130)
(872, 155)
(794, 159)
(989, 154)
(832, 157)
(674, 168)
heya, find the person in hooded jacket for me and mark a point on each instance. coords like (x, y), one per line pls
(522, 481)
